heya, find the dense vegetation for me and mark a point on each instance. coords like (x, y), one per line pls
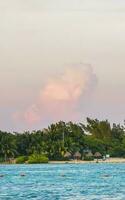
(59, 138)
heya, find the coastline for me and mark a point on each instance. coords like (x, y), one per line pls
(109, 160)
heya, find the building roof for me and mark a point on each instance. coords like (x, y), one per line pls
(90, 154)
(77, 154)
(97, 154)
(67, 154)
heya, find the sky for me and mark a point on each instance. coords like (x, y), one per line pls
(61, 60)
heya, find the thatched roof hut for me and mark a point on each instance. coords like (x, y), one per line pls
(97, 155)
(67, 155)
(90, 154)
(77, 155)
(85, 151)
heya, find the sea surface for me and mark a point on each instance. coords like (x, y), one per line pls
(63, 182)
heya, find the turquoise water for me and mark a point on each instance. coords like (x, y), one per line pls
(63, 181)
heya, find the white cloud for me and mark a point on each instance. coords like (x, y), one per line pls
(59, 98)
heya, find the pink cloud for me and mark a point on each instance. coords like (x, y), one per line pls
(69, 86)
(31, 115)
(60, 96)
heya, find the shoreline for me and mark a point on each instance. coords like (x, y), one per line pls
(109, 160)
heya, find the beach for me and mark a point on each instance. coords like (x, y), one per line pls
(109, 160)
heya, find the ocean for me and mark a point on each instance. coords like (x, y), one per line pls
(99, 181)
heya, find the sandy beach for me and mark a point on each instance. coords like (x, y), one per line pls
(109, 160)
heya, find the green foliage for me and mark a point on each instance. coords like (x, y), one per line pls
(118, 132)
(7, 146)
(95, 144)
(117, 151)
(37, 159)
(21, 159)
(95, 135)
(99, 129)
(88, 158)
(1, 160)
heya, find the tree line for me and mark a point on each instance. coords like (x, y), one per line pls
(62, 137)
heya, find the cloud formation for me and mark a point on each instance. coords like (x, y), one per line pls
(61, 95)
